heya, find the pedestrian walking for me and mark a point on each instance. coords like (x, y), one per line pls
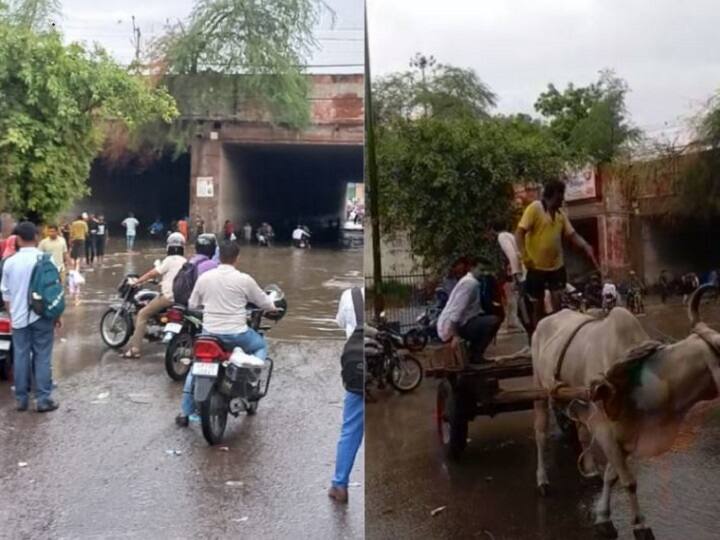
(131, 224)
(228, 230)
(247, 231)
(100, 239)
(91, 242)
(182, 228)
(32, 334)
(78, 235)
(350, 318)
(55, 245)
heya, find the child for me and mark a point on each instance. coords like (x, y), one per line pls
(75, 282)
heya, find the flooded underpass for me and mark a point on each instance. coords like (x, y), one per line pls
(490, 492)
(110, 463)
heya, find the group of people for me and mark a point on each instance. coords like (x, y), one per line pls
(86, 238)
(533, 263)
(354, 211)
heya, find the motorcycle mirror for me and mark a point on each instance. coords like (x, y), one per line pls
(275, 292)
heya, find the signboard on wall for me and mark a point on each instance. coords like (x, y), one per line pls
(205, 187)
(581, 184)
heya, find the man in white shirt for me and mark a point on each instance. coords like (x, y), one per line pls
(514, 271)
(223, 294)
(351, 434)
(131, 225)
(465, 317)
(300, 236)
(167, 271)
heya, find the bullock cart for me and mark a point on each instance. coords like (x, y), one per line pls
(469, 390)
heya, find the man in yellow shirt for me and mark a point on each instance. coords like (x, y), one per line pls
(78, 234)
(55, 244)
(540, 235)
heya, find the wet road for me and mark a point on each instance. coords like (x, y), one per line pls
(490, 492)
(110, 463)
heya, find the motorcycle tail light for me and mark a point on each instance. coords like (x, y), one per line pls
(5, 326)
(206, 350)
(174, 315)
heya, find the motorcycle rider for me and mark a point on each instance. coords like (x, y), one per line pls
(223, 294)
(205, 249)
(167, 271)
(300, 237)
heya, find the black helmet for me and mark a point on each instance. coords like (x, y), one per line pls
(206, 244)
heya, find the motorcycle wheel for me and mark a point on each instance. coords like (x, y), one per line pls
(180, 346)
(213, 417)
(415, 340)
(115, 331)
(406, 374)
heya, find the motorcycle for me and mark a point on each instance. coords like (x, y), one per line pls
(118, 321)
(425, 330)
(183, 326)
(609, 296)
(229, 381)
(6, 352)
(572, 298)
(386, 364)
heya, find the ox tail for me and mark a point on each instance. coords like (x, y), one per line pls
(694, 304)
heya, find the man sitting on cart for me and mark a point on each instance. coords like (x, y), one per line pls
(472, 312)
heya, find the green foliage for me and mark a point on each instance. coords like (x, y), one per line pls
(592, 121)
(444, 181)
(431, 89)
(265, 42)
(55, 103)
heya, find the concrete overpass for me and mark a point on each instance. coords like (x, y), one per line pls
(243, 168)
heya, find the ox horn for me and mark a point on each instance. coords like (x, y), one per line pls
(694, 304)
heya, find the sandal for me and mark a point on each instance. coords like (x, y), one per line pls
(133, 354)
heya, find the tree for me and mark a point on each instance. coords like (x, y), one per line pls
(431, 89)
(56, 102)
(592, 121)
(266, 42)
(444, 181)
(37, 15)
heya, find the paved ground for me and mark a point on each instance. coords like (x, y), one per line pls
(490, 493)
(110, 463)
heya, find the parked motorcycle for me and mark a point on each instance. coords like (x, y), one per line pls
(425, 329)
(183, 326)
(6, 352)
(118, 321)
(229, 381)
(385, 362)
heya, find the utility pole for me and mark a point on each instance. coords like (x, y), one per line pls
(372, 179)
(136, 43)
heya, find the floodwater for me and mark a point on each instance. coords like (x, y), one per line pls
(490, 492)
(111, 464)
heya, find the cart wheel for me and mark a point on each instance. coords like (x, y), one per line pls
(567, 426)
(452, 427)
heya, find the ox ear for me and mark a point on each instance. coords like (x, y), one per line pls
(605, 393)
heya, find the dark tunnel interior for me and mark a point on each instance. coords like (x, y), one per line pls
(290, 184)
(160, 190)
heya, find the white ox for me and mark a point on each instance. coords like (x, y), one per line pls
(637, 400)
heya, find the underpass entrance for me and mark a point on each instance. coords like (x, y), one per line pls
(288, 184)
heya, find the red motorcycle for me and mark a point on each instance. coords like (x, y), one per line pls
(6, 358)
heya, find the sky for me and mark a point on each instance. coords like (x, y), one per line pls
(110, 24)
(665, 49)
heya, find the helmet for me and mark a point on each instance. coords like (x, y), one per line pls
(279, 301)
(176, 239)
(205, 244)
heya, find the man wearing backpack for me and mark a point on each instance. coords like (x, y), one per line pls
(201, 262)
(350, 318)
(29, 285)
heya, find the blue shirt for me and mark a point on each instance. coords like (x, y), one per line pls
(15, 284)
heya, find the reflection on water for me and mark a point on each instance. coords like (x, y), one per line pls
(312, 279)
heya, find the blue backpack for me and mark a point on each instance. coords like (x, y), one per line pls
(46, 294)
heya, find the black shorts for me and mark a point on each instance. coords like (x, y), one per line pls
(100, 245)
(77, 250)
(537, 281)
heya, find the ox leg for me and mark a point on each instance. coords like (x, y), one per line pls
(541, 430)
(604, 527)
(618, 461)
